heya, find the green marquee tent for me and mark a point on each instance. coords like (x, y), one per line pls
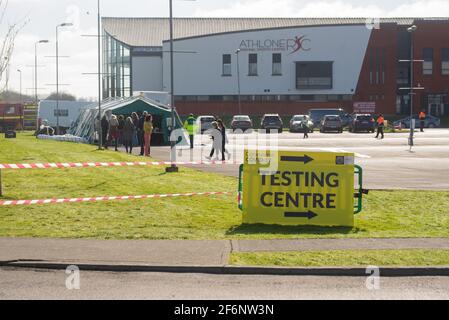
(86, 126)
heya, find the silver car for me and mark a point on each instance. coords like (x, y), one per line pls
(430, 122)
(296, 123)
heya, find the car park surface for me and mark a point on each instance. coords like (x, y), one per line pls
(387, 164)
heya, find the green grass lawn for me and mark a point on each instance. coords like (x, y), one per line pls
(344, 258)
(386, 214)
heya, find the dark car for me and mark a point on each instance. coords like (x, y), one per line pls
(241, 122)
(272, 122)
(430, 122)
(362, 122)
(316, 115)
(331, 123)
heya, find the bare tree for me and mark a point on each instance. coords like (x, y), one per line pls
(8, 34)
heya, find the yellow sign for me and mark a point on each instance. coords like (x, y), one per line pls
(299, 188)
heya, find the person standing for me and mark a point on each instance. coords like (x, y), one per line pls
(121, 125)
(129, 130)
(305, 127)
(224, 140)
(114, 131)
(104, 131)
(189, 125)
(422, 120)
(148, 131)
(380, 126)
(135, 119)
(141, 133)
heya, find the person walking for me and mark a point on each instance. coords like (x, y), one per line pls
(104, 131)
(189, 125)
(141, 132)
(129, 130)
(380, 126)
(148, 131)
(216, 141)
(305, 127)
(422, 120)
(113, 131)
(224, 139)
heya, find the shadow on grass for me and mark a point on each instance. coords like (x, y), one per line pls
(252, 229)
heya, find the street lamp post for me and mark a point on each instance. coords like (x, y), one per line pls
(20, 85)
(100, 136)
(238, 81)
(36, 99)
(173, 167)
(411, 30)
(57, 72)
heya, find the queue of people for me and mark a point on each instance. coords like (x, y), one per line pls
(127, 131)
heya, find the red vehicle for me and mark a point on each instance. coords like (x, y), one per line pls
(11, 116)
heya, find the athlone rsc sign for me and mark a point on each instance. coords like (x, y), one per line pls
(298, 43)
(307, 188)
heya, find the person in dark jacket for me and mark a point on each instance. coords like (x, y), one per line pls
(129, 131)
(224, 140)
(104, 131)
(141, 133)
(121, 125)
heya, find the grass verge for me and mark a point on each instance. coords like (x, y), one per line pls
(344, 258)
(386, 213)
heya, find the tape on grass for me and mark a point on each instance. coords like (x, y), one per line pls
(64, 165)
(5, 203)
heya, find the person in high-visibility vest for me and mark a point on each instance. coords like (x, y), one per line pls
(380, 126)
(422, 120)
(189, 125)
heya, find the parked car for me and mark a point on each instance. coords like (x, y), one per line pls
(204, 123)
(362, 122)
(430, 122)
(296, 123)
(316, 115)
(241, 122)
(272, 122)
(331, 123)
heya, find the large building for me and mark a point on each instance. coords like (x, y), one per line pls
(282, 65)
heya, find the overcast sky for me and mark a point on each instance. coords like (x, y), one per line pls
(44, 15)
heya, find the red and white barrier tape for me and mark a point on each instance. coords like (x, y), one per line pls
(64, 165)
(99, 199)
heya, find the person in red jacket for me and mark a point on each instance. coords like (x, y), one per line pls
(422, 120)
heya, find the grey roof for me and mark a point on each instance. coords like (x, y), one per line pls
(151, 32)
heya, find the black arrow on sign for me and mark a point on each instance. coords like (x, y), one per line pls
(310, 215)
(306, 159)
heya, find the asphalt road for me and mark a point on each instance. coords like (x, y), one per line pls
(45, 284)
(387, 163)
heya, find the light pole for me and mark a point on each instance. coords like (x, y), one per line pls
(57, 72)
(20, 86)
(238, 81)
(100, 136)
(173, 167)
(411, 29)
(35, 69)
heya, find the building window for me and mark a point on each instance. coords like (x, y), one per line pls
(277, 64)
(227, 65)
(445, 61)
(62, 113)
(314, 75)
(252, 69)
(428, 61)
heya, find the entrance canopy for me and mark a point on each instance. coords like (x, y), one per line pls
(87, 124)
